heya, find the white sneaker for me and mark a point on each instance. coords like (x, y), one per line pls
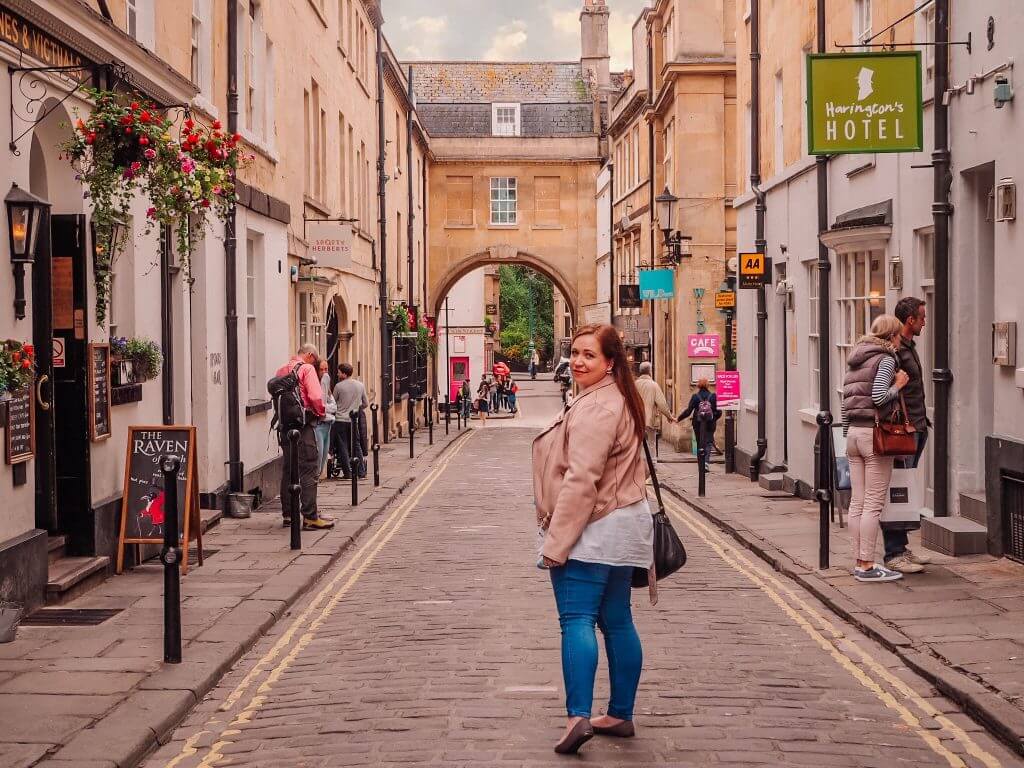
(903, 564)
(876, 574)
(916, 558)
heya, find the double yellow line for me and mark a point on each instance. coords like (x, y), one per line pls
(861, 665)
(305, 627)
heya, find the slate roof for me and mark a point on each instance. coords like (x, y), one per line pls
(481, 82)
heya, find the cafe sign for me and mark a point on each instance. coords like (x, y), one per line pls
(864, 102)
(29, 39)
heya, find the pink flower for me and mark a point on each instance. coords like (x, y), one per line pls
(151, 213)
(149, 154)
(136, 166)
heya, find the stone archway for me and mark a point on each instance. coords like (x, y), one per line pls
(505, 254)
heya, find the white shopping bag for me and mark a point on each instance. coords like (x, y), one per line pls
(905, 500)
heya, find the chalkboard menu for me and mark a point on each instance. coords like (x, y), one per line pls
(143, 513)
(20, 427)
(99, 392)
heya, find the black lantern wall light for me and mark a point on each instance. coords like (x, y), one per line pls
(24, 212)
(676, 243)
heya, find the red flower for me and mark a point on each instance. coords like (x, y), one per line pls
(127, 120)
(210, 146)
(143, 140)
(80, 125)
(145, 116)
(16, 356)
(28, 349)
(216, 124)
(90, 138)
(189, 124)
(236, 137)
(128, 129)
(206, 203)
(25, 364)
(192, 138)
(135, 105)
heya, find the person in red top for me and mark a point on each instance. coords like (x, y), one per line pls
(308, 453)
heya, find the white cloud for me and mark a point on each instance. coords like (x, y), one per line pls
(508, 42)
(620, 39)
(430, 34)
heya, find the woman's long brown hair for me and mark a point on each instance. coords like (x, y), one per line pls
(612, 348)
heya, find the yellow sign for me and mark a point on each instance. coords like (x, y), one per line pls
(29, 39)
(725, 300)
(753, 270)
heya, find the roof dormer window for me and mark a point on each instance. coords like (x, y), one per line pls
(505, 120)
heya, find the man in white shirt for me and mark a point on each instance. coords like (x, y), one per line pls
(350, 395)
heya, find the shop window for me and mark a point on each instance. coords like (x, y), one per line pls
(861, 297)
(254, 319)
(312, 322)
(813, 333)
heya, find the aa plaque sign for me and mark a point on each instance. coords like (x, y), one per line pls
(864, 102)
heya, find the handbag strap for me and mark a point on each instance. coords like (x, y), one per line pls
(654, 477)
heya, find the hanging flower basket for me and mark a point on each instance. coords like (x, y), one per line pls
(125, 146)
(135, 360)
(399, 318)
(17, 367)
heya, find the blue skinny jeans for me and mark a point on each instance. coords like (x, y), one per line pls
(587, 594)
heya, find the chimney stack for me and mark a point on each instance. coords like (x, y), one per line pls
(594, 57)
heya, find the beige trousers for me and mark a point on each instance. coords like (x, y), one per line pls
(869, 476)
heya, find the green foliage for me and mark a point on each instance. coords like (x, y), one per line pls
(399, 315)
(144, 355)
(17, 365)
(525, 293)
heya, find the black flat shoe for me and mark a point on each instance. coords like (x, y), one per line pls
(623, 730)
(581, 733)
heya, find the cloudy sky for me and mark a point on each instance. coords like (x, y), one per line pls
(501, 30)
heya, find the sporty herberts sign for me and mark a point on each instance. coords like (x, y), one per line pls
(864, 102)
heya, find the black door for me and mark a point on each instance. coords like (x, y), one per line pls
(42, 338)
(69, 429)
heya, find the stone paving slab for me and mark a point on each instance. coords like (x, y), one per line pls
(101, 696)
(960, 624)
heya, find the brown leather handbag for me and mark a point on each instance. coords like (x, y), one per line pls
(894, 435)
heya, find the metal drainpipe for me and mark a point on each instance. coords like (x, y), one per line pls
(382, 199)
(942, 376)
(650, 199)
(167, 324)
(410, 230)
(611, 242)
(760, 244)
(235, 468)
(823, 467)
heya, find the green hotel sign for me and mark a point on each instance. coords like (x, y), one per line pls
(864, 102)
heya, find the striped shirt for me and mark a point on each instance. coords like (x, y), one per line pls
(883, 388)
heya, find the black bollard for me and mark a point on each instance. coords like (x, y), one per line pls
(730, 442)
(430, 421)
(458, 412)
(702, 458)
(447, 413)
(170, 556)
(294, 488)
(354, 463)
(376, 447)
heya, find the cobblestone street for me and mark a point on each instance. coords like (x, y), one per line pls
(436, 643)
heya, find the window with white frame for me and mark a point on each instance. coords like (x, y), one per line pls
(670, 37)
(928, 34)
(342, 165)
(131, 22)
(139, 21)
(813, 333)
(504, 194)
(861, 297)
(670, 166)
(312, 321)
(861, 20)
(505, 120)
(254, 323)
(257, 71)
(195, 73)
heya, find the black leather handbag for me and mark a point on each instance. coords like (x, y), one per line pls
(669, 552)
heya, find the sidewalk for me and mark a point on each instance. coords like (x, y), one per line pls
(100, 696)
(960, 624)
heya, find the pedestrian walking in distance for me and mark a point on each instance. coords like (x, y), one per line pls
(309, 407)
(350, 395)
(589, 484)
(871, 387)
(910, 311)
(483, 400)
(324, 425)
(703, 407)
(466, 393)
(654, 401)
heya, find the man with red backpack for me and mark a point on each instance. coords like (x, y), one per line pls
(298, 404)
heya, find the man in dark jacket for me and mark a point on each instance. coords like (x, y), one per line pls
(910, 311)
(704, 419)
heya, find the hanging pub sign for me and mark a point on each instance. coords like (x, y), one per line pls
(864, 102)
(142, 507)
(629, 296)
(657, 284)
(329, 243)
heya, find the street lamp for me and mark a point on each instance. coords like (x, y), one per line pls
(24, 210)
(677, 243)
